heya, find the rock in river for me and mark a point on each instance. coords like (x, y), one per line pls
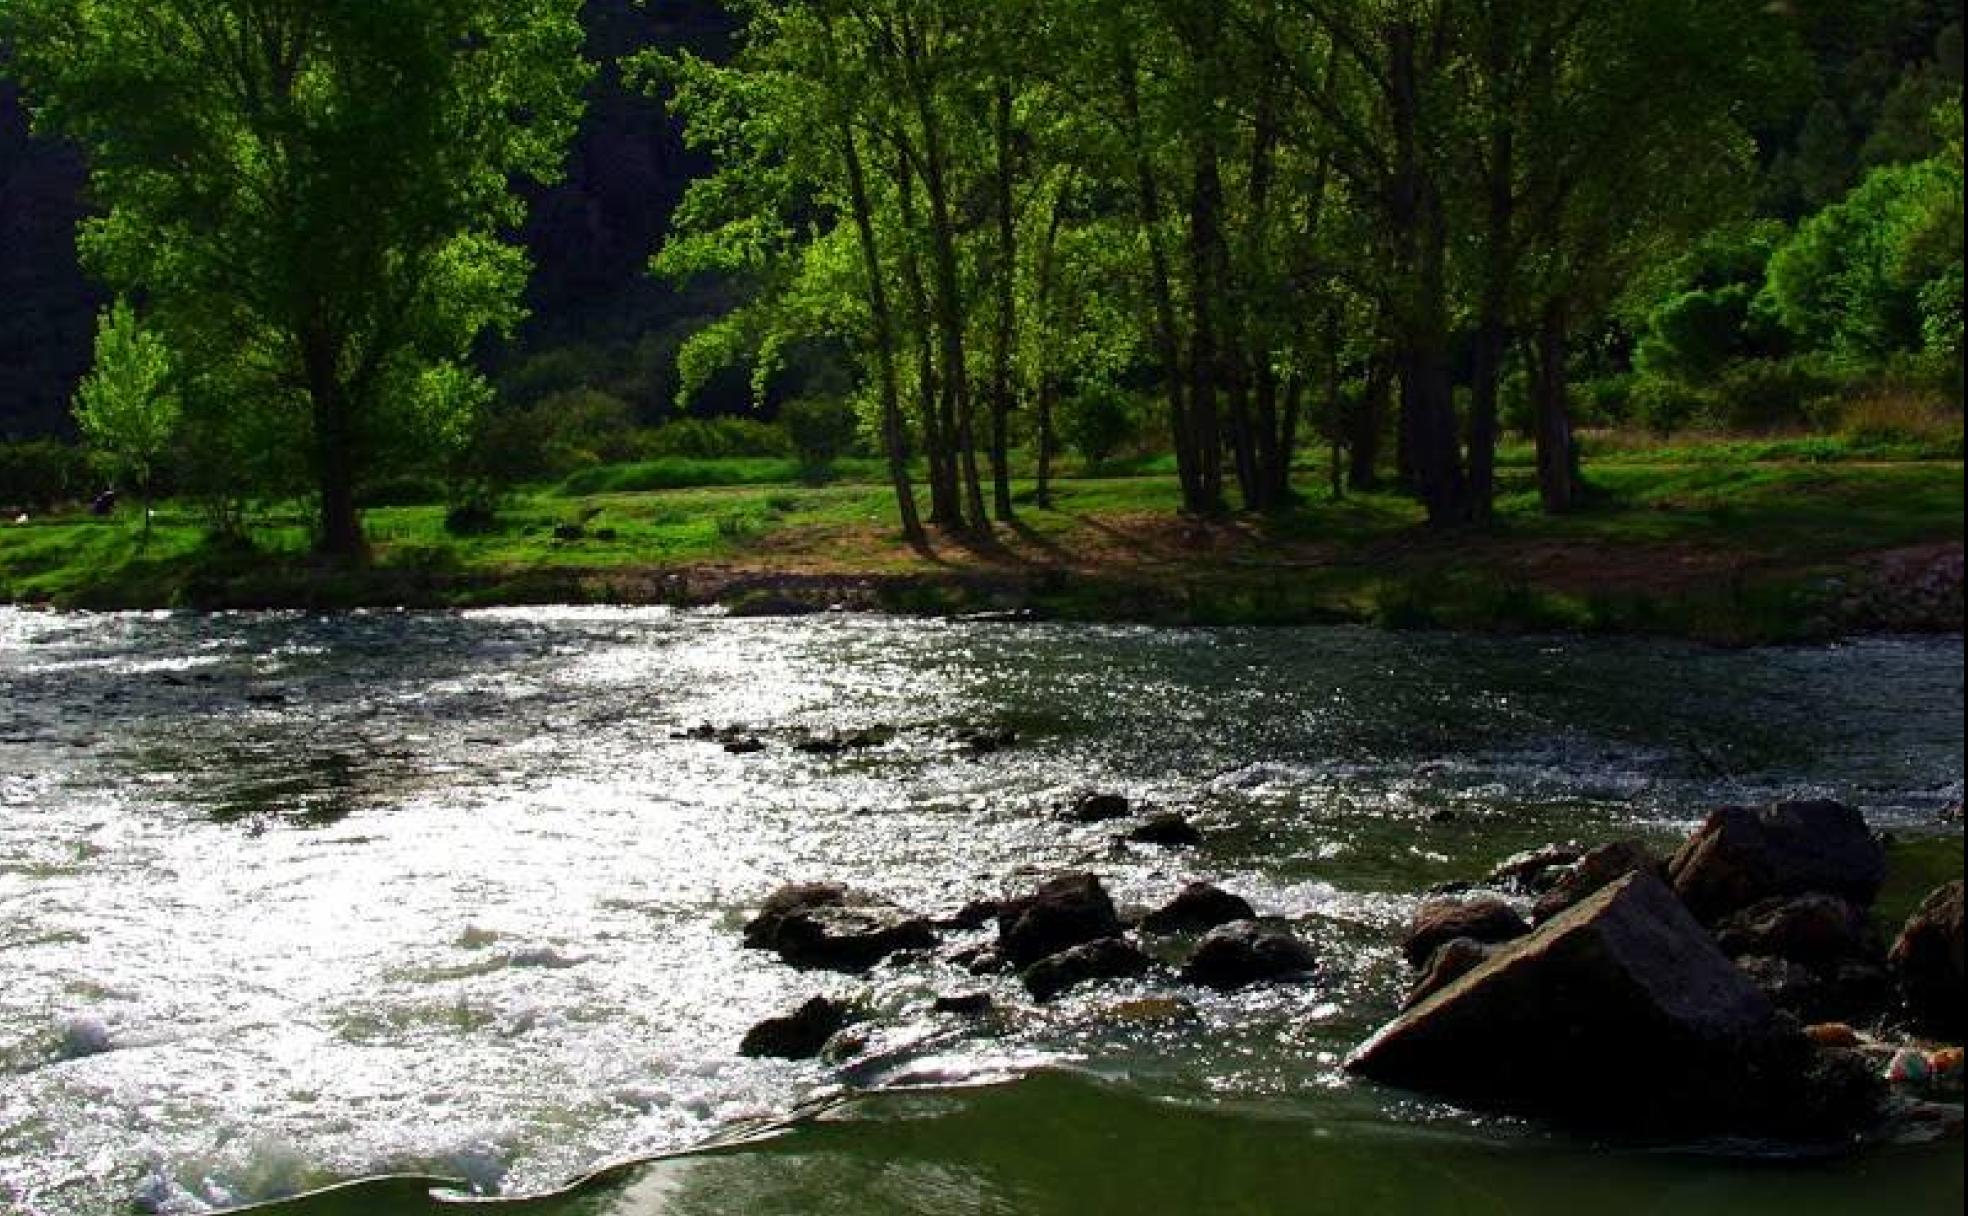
(1620, 1012)
(1109, 958)
(799, 1035)
(1064, 912)
(1743, 855)
(1482, 918)
(1099, 808)
(1594, 871)
(1198, 908)
(1167, 829)
(834, 927)
(1927, 963)
(1244, 952)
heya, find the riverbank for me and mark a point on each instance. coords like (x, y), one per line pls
(1731, 552)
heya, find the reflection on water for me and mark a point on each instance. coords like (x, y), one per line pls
(452, 894)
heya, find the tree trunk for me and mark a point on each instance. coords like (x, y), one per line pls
(1007, 320)
(1168, 335)
(1368, 423)
(1048, 373)
(338, 531)
(1557, 451)
(1421, 243)
(1207, 275)
(939, 442)
(894, 443)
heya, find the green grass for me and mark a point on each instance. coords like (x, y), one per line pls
(1109, 547)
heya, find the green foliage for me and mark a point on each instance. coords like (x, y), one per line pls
(821, 430)
(41, 473)
(716, 439)
(1097, 422)
(128, 408)
(312, 198)
(1878, 273)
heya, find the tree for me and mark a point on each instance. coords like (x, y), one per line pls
(128, 407)
(312, 196)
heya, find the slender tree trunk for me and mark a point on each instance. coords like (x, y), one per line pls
(948, 295)
(1335, 406)
(1048, 372)
(1007, 320)
(894, 440)
(1168, 334)
(1491, 337)
(338, 531)
(1368, 423)
(1422, 329)
(939, 441)
(1557, 451)
(1207, 275)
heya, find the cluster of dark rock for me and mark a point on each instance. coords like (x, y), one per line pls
(741, 740)
(1712, 991)
(1676, 993)
(1064, 933)
(1168, 829)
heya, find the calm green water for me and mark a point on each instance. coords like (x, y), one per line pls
(289, 901)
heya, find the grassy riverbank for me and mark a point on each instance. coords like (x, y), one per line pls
(1733, 550)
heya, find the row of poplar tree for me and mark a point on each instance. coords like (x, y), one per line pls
(1306, 218)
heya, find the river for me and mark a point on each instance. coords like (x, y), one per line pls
(288, 900)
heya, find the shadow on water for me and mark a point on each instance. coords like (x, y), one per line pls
(1059, 1143)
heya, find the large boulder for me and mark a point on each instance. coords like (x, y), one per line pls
(833, 927)
(1743, 855)
(1108, 958)
(1620, 1012)
(1927, 963)
(1593, 872)
(1244, 952)
(1064, 912)
(799, 1035)
(1197, 908)
(1481, 918)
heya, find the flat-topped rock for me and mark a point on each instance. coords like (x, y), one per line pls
(1743, 855)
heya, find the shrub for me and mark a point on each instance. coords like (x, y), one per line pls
(713, 439)
(1895, 417)
(41, 474)
(821, 430)
(1097, 422)
(1665, 406)
(1768, 394)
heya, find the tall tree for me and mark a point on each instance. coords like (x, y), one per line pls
(312, 196)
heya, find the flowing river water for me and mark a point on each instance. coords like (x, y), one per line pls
(287, 901)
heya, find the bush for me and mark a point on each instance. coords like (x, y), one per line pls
(821, 430)
(714, 439)
(1768, 394)
(1665, 406)
(1097, 423)
(41, 474)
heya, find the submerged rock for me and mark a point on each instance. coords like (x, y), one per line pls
(1482, 918)
(1197, 908)
(834, 927)
(1244, 952)
(1108, 958)
(799, 1035)
(1534, 871)
(964, 1004)
(1620, 1012)
(1742, 855)
(1167, 829)
(1594, 871)
(1063, 912)
(1099, 808)
(1927, 963)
